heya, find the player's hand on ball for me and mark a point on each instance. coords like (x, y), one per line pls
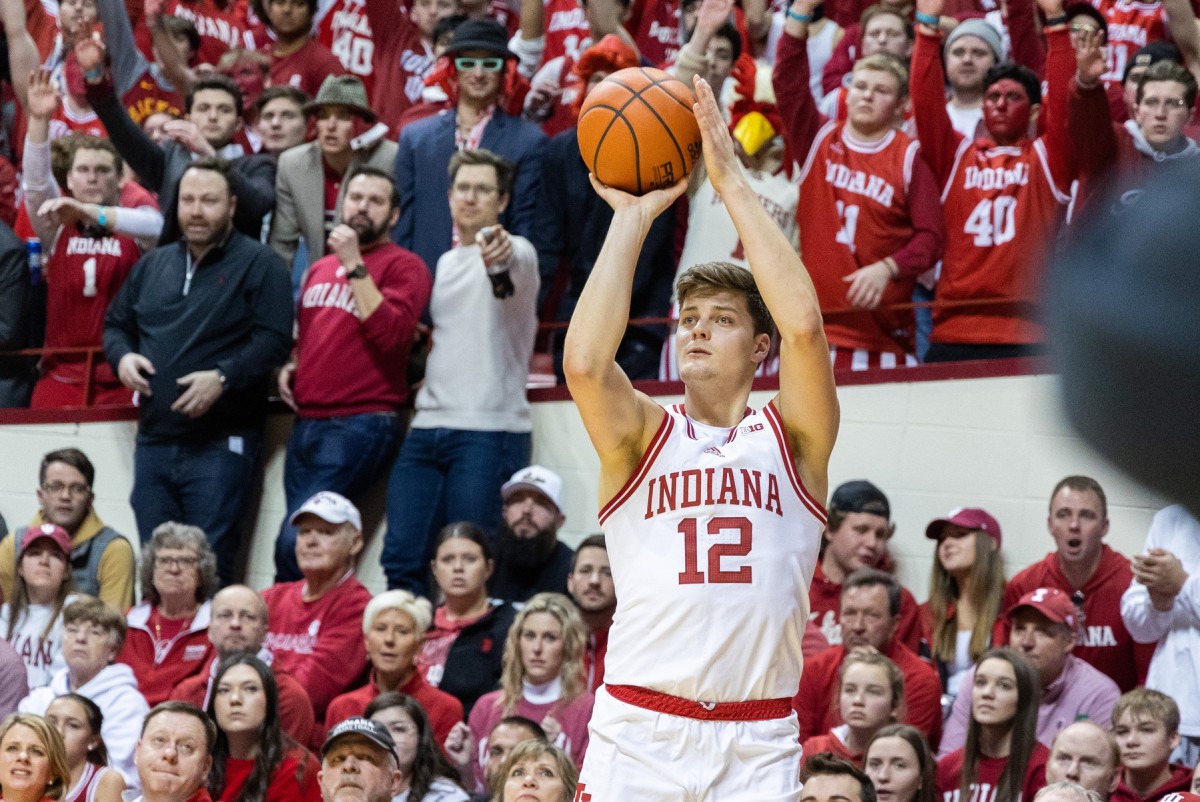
(653, 202)
(720, 159)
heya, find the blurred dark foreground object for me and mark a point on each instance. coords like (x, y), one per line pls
(1123, 311)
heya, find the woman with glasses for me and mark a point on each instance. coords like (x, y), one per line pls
(428, 776)
(168, 632)
(32, 619)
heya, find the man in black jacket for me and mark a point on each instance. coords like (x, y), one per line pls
(197, 330)
(214, 114)
(16, 302)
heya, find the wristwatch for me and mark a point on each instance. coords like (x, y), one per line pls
(358, 271)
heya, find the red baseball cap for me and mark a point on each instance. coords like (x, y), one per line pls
(1050, 602)
(967, 518)
(49, 531)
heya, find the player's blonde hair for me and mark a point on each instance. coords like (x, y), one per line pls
(574, 638)
(713, 277)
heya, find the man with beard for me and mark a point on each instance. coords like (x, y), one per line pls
(346, 379)
(197, 330)
(530, 558)
(102, 562)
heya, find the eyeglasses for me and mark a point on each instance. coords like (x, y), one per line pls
(75, 489)
(466, 64)
(1171, 103)
(176, 562)
(479, 190)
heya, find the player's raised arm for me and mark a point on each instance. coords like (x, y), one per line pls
(807, 398)
(620, 421)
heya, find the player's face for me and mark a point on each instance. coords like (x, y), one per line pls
(323, 548)
(720, 62)
(967, 61)
(240, 700)
(93, 177)
(885, 34)
(335, 129)
(475, 197)
(281, 125)
(393, 642)
(1045, 644)
(541, 645)
(289, 18)
(591, 583)
(535, 780)
(65, 496)
(866, 697)
(994, 694)
(831, 788)
(1081, 755)
(70, 719)
(478, 86)
(873, 100)
(1144, 742)
(460, 569)
(43, 567)
(956, 550)
(1077, 524)
(715, 338)
(865, 617)
(502, 740)
(859, 542)
(1007, 111)
(214, 112)
(1162, 112)
(894, 769)
(426, 14)
(367, 208)
(239, 621)
(528, 513)
(205, 207)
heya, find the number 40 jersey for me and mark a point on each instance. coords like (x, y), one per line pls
(713, 542)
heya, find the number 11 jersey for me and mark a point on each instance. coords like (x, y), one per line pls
(713, 542)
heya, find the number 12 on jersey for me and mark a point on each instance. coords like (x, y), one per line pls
(716, 574)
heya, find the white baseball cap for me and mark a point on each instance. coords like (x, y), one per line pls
(537, 478)
(331, 507)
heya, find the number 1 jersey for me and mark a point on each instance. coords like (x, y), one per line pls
(713, 542)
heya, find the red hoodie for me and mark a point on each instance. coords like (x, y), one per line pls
(1105, 643)
(1180, 780)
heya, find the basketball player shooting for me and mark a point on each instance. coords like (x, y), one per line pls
(710, 509)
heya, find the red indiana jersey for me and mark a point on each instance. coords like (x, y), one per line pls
(567, 31)
(654, 26)
(65, 121)
(854, 212)
(83, 275)
(344, 28)
(220, 29)
(1003, 205)
(305, 69)
(1131, 26)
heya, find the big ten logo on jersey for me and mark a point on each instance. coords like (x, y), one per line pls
(348, 33)
(581, 794)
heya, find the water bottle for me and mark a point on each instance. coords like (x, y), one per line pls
(33, 253)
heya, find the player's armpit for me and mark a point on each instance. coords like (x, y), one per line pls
(808, 403)
(620, 422)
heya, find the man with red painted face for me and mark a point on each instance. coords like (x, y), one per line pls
(1003, 194)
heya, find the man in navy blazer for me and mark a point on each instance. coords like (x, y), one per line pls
(481, 60)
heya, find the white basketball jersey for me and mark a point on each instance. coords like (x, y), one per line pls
(713, 542)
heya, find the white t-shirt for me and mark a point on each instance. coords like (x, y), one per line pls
(42, 655)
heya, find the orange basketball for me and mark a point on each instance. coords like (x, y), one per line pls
(637, 131)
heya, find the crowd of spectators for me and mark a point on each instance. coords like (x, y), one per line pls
(365, 207)
(1077, 669)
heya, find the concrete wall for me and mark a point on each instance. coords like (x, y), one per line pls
(998, 443)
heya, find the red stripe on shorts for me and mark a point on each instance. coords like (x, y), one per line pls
(755, 710)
